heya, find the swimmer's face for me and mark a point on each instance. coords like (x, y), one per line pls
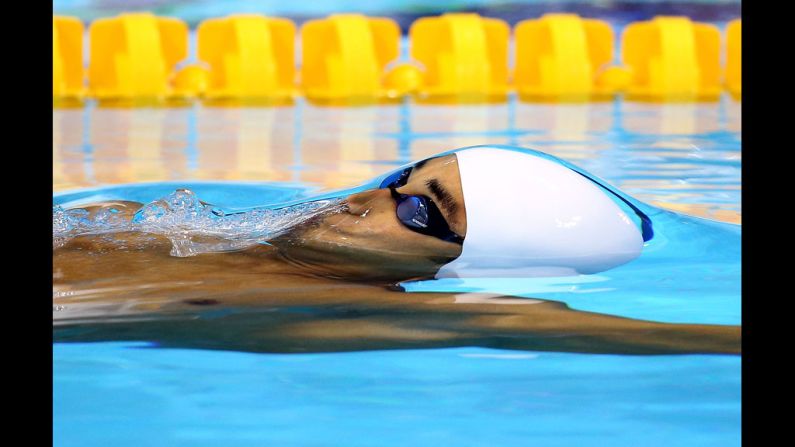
(369, 241)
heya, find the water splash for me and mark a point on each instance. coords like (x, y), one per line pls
(192, 226)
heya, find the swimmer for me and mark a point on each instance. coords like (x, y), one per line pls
(332, 283)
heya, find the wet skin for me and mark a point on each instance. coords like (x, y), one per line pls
(368, 242)
(329, 286)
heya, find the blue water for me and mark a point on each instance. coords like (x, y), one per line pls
(684, 157)
(134, 394)
(127, 394)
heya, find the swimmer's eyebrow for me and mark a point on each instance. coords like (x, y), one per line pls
(442, 196)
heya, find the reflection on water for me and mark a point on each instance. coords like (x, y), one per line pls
(69, 149)
(733, 116)
(575, 132)
(341, 146)
(242, 143)
(670, 119)
(684, 157)
(434, 126)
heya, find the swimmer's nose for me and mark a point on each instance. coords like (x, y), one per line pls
(365, 200)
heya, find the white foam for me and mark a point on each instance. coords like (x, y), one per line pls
(185, 220)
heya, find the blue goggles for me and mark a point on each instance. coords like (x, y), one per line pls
(418, 213)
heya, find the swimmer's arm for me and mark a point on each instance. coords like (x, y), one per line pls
(543, 326)
(364, 318)
(553, 326)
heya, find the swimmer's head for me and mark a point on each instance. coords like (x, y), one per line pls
(370, 240)
(474, 212)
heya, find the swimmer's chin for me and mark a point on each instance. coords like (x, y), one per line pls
(341, 245)
(339, 259)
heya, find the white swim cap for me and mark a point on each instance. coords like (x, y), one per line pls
(530, 216)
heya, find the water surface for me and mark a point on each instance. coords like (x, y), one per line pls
(679, 157)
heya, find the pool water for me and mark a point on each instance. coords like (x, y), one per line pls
(129, 394)
(680, 158)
